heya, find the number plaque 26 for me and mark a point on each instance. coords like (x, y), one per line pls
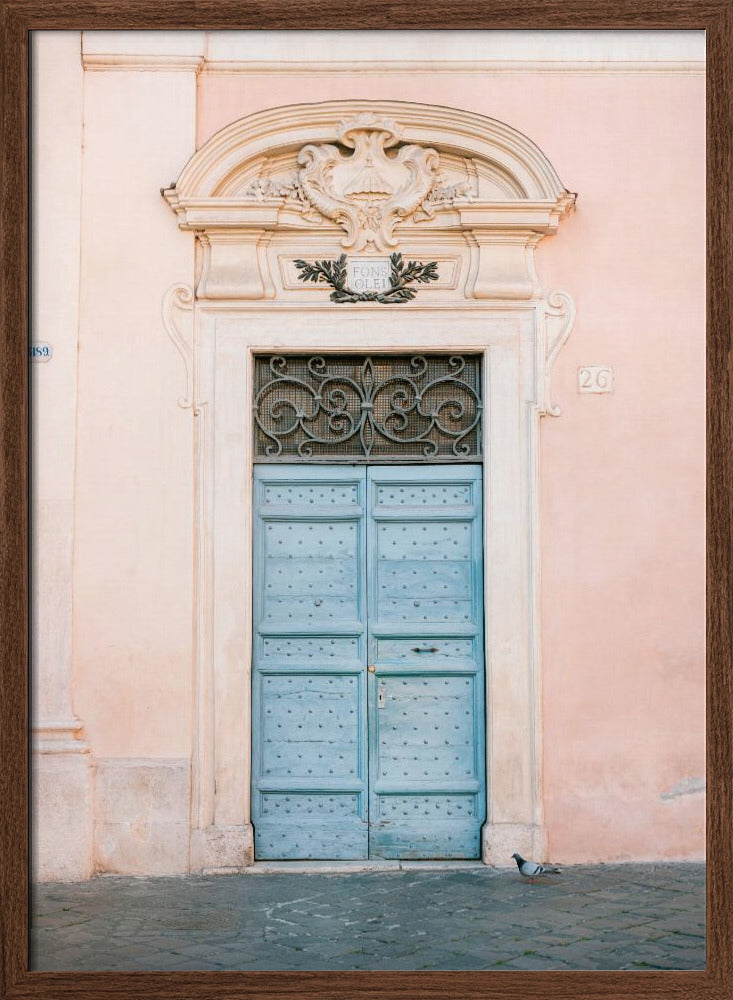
(595, 378)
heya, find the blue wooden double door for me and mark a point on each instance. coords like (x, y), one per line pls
(368, 668)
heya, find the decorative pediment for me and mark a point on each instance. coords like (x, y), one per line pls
(368, 178)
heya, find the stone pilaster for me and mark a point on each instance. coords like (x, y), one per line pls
(61, 820)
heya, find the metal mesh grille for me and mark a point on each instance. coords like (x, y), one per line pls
(375, 408)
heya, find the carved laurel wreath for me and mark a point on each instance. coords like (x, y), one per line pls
(402, 275)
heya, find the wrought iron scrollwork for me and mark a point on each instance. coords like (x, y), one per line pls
(377, 408)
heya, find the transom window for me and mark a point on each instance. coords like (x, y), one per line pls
(367, 408)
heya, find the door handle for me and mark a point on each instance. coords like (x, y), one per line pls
(431, 649)
(372, 669)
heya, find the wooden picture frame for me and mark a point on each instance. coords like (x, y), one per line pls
(19, 17)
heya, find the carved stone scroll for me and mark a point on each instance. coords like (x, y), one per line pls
(559, 319)
(177, 315)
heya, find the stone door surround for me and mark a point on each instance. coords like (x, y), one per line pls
(366, 179)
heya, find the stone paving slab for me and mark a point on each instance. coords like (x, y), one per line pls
(403, 917)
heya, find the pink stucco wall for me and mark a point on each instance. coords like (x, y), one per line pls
(623, 490)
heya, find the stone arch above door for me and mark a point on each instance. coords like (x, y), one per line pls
(369, 177)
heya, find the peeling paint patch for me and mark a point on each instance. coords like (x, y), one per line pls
(688, 786)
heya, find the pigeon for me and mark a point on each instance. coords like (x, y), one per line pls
(530, 869)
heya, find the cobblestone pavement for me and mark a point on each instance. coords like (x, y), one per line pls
(408, 917)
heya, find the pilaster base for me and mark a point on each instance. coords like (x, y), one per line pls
(141, 816)
(222, 849)
(500, 840)
(62, 796)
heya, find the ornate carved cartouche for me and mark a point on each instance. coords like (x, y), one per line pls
(368, 191)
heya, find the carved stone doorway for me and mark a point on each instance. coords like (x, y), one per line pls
(352, 181)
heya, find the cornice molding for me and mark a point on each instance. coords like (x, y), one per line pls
(502, 67)
(109, 62)
(164, 62)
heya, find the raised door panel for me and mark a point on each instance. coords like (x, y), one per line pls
(426, 694)
(309, 679)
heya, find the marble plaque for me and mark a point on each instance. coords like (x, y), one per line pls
(368, 274)
(595, 378)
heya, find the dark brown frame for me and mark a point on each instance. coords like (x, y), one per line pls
(21, 16)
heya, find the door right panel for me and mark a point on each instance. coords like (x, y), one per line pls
(426, 692)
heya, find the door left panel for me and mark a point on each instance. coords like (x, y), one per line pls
(309, 725)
